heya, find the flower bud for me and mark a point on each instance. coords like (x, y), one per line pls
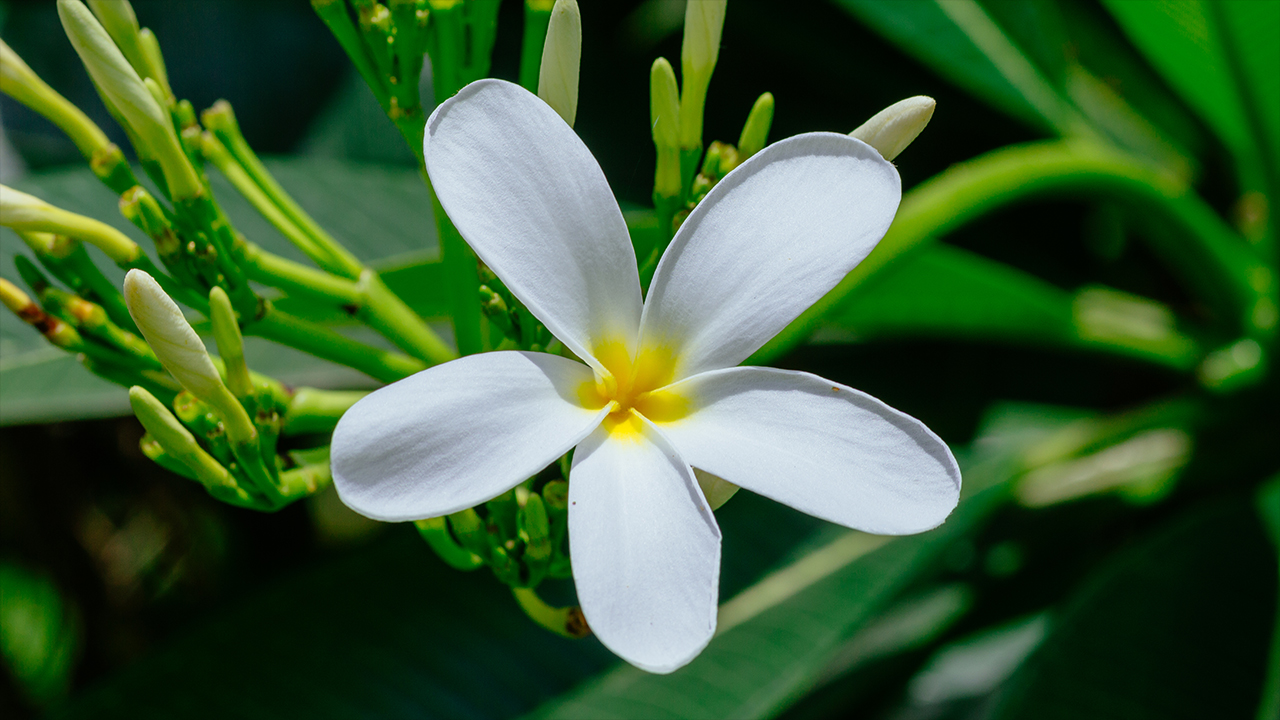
(226, 332)
(755, 133)
(121, 24)
(55, 330)
(20, 82)
(561, 55)
(664, 117)
(124, 90)
(703, 22)
(891, 130)
(175, 439)
(177, 346)
(21, 211)
(664, 104)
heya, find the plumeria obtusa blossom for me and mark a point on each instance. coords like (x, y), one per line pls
(657, 392)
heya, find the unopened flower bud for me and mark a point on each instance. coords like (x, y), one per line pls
(755, 133)
(124, 90)
(226, 332)
(891, 130)
(55, 330)
(20, 82)
(21, 211)
(175, 439)
(561, 55)
(664, 116)
(703, 22)
(121, 24)
(177, 346)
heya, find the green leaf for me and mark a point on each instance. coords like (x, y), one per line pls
(388, 631)
(1268, 503)
(1023, 57)
(382, 214)
(1182, 41)
(780, 636)
(1252, 28)
(966, 47)
(39, 635)
(943, 291)
(1168, 628)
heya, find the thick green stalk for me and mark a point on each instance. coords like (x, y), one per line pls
(298, 279)
(334, 15)
(385, 312)
(566, 621)
(222, 123)
(436, 532)
(318, 411)
(216, 153)
(1199, 246)
(463, 277)
(328, 345)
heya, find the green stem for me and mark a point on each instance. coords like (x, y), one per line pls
(565, 621)
(463, 276)
(436, 532)
(216, 153)
(328, 345)
(298, 279)
(446, 53)
(334, 15)
(318, 411)
(102, 290)
(370, 300)
(385, 312)
(379, 307)
(304, 481)
(228, 132)
(1200, 247)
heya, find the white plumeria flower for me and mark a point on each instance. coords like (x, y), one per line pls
(659, 393)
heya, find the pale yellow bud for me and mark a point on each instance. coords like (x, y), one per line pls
(703, 22)
(169, 334)
(891, 130)
(561, 56)
(123, 89)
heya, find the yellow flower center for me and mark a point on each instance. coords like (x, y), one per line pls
(634, 387)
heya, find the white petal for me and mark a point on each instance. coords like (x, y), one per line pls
(818, 446)
(457, 434)
(767, 242)
(645, 548)
(532, 202)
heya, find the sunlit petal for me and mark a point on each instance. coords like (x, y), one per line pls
(766, 243)
(645, 548)
(532, 202)
(823, 448)
(457, 434)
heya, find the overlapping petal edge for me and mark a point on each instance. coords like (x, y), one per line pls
(659, 392)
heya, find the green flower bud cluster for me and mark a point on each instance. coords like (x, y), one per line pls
(208, 418)
(387, 42)
(522, 536)
(520, 329)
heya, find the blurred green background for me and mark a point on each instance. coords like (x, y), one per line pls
(128, 592)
